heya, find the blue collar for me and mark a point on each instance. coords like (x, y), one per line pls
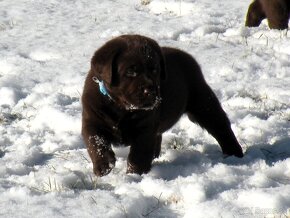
(102, 87)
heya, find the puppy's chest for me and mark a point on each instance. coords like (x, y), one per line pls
(130, 126)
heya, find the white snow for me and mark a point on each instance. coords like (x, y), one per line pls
(45, 171)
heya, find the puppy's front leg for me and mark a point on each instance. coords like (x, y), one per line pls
(100, 151)
(142, 153)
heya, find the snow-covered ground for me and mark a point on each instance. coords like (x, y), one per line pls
(45, 171)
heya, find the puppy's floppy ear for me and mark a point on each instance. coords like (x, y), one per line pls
(157, 48)
(103, 63)
(163, 73)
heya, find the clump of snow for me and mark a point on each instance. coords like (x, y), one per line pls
(45, 170)
(43, 56)
(5, 67)
(7, 96)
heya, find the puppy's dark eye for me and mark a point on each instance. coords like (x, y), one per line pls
(155, 71)
(131, 72)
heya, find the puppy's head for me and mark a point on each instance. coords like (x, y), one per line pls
(131, 68)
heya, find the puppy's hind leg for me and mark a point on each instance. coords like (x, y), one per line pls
(277, 14)
(255, 14)
(204, 108)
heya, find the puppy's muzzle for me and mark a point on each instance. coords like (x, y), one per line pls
(149, 94)
(148, 99)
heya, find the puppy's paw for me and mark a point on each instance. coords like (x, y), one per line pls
(234, 150)
(138, 169)
(104, 163)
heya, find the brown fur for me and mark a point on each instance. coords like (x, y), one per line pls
(276, 11)
(137, 73)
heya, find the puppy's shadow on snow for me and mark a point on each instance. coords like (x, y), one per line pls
(2, 153)
(37, 158)
(174, 163)
(272, 154)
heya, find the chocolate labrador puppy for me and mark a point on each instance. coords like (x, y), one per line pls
(276, 11)
(135, 91)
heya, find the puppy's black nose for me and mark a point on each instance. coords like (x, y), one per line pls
(148, 91)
